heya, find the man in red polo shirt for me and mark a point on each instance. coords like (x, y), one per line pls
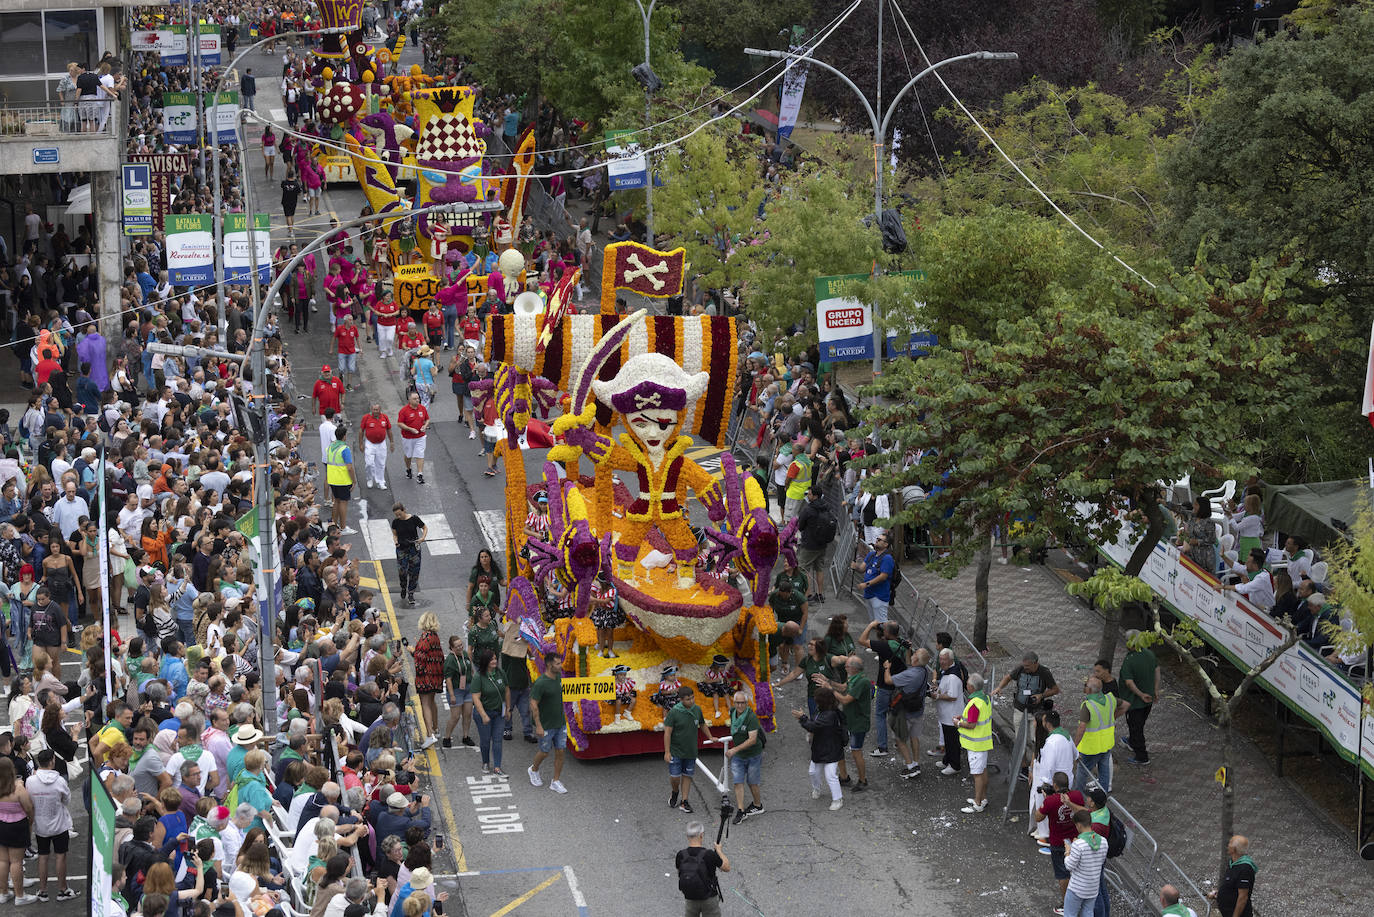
(387, 313)
(414, 422)
(346, 335)
(374, 441)
(328, 392)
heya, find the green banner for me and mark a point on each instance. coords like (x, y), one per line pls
(102, 848)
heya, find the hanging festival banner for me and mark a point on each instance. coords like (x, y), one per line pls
(237, 258)
(793, 85)
(165, 167)
(627, 168)
(179, 117)
(191, 248)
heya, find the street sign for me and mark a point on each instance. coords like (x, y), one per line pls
(137, 179)
(46, 155)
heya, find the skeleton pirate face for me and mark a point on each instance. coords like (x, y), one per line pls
(652, 393)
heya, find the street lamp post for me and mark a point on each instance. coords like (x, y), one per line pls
(262, 488)
(880, 128)
(647, 14)
(243, 159)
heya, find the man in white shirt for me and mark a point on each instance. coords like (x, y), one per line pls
(949, 703)
(1256, 584)
(1055, 757)
(67, 512)
(214, 477)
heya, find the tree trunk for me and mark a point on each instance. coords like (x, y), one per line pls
(1154, 528)
(983, 565)
(1228, 787)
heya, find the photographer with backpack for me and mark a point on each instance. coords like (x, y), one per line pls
(696, 873)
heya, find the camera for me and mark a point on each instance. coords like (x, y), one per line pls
(1047, 789)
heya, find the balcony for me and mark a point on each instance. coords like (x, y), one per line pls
(41, 137)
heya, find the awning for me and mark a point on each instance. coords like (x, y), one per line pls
(79, 200)
(1320, 512)
(766, 116)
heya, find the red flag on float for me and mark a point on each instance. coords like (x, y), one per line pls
(647, 271)
(1367, 406)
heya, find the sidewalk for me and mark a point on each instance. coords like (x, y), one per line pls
(1298, 848)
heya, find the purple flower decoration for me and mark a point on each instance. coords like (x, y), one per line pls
(591, 715)
(763, 700)
(575, 731)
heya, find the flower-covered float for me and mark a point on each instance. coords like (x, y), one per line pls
(619, 554)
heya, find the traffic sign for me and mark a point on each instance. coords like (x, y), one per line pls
(46, 155)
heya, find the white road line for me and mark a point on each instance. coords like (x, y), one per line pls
(377, 533)
(578, 900)
(278, 114)
(492, 522)
(443, 547)
(436, 527)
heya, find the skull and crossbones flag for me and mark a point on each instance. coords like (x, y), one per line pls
(645, 270)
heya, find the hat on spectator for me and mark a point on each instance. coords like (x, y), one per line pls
(421, 878)
(146, 570)
(248, 734)
(397, 801)
(324, 368)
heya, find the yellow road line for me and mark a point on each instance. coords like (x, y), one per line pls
(527, 895)
(368, 582)
(430, 756)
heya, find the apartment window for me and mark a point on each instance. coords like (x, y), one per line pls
(35, 48)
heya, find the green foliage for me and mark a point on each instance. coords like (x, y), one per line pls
(1111, 588)
(1281, 164)
(709, 203)
(716, 32)
(1131, 20)
(576, 53)
(1083, 396)
(815, 229)
(1351, 576)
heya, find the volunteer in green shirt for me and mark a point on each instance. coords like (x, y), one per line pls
(811, 665)
(680, 727)
(838, 643)
(855, 696)
(746, 756)
(491, 699)
(1140, 676)
(550, 723)
(788, 602)
(458, 672)
(483, 635)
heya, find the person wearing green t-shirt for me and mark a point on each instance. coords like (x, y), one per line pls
(680, 727)
(550, 722)
(746, 756)
(812, 664)
(789, 606)
(458, 672)
(1140, 676)
(855, 696)
(483, 634)
(491, 700)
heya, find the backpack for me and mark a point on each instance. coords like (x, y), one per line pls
(694, 876)
(824, 525)
(895, 579)
(914, 702)
(1116, 838)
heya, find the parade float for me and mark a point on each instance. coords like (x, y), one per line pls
(619, 526)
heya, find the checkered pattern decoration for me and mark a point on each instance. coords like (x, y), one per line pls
(449, 138)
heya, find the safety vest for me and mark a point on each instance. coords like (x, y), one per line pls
(977, 737)
(798, 486)
(1100, 735)
(339, 472)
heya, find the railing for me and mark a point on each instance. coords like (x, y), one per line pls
(35, 120)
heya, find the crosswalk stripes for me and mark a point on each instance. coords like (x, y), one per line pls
(708, 457)
(439, 541)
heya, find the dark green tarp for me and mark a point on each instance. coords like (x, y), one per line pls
(1319, 512)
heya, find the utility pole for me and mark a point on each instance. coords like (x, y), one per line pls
(880, 128)
(646, 15)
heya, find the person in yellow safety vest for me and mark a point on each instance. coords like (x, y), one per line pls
(798, 478)
(975, 735)
(1096, 734)
(340, 476)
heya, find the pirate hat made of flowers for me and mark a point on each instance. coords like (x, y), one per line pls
(651, 381)
(669, 671)
(718, 659)
(620, 670)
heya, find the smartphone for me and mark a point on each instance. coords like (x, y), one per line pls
(438, 842)
(395, 646)
(185, 845)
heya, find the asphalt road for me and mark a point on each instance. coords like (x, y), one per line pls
(607, 846)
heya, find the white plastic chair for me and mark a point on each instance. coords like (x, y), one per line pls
(1226, 542)
(1319, 571)
(1220, 497)
(1181, 491)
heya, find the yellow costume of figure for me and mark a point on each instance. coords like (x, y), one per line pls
(651, 393)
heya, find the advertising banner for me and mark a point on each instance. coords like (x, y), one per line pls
(172, 45)
(627, 168)
(225, 116)
(237, 258)
(165, 167)
(210, 45)
(137, 181)
(793, 85)
(179, 117)
(1300, 678)
(102, 849)
(414, 286)
(191, 248)
(144, 40)
(844, 326)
